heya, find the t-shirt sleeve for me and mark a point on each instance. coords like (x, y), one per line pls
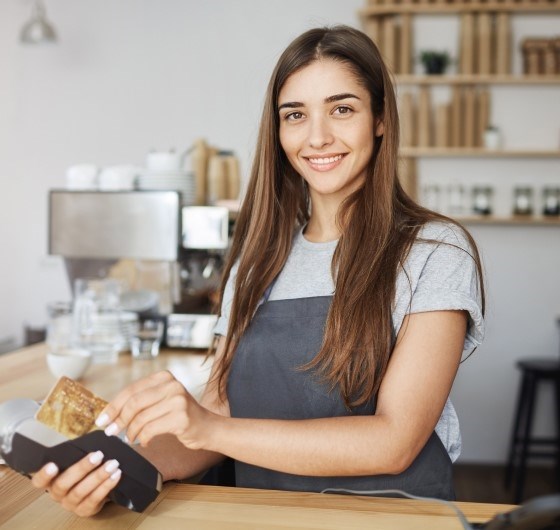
(222, 324)
(449, 281)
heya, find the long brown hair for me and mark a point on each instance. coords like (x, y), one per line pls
(379, 223)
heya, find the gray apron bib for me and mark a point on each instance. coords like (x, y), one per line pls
(266, 382)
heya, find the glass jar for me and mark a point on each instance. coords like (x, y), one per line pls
(456, 199)
(551, 201)
(431, 197)
(482, 200)
(523, 201)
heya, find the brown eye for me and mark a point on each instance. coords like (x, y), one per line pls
(343, 110)
(293, 116)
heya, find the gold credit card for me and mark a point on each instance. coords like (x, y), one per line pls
(70, 409)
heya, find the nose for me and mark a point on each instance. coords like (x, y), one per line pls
(320, 134)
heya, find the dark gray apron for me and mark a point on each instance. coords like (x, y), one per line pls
(265, 382)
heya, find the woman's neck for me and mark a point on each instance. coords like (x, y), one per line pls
(322, 223)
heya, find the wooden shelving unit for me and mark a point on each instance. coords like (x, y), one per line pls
(442, 8)
(475, 152)
(484, 61)
(478, 79)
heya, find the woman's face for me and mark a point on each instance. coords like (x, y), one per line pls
(327, 128)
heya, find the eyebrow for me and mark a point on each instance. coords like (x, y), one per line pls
(330, 99)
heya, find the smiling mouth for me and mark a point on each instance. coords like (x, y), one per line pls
(325, 163)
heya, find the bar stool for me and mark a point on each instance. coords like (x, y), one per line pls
(523, 444)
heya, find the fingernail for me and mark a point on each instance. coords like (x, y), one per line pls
(102, 420)
(126, 440)
(116, 475)
(51, 469)
(112, 429)
(111, 466)
(96, 457)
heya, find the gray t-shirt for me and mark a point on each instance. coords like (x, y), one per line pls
(438, 277)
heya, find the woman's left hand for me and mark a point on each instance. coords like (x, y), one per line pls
(157, 404)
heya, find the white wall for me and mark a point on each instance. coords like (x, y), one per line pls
(522, 265)
(131, 75)
(127, 76)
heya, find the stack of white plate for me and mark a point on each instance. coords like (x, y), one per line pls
(129, 326)
(182, 181)
(123, 324)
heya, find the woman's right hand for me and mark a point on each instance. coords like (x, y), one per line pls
(83, 488)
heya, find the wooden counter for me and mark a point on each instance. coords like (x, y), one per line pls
(24, 374)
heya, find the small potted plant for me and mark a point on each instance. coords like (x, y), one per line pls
(434, 62)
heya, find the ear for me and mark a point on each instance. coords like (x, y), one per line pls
(380, 129)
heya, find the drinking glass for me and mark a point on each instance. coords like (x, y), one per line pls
(59, 326)
(97, 318)
(147, 339)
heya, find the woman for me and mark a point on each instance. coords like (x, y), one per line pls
(345, 309)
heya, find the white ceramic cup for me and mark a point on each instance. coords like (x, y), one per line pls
(71, 362)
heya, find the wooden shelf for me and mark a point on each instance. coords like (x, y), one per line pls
(478, 79)
(378, 21)
(476, 152)
(513, 220)
(442, 8)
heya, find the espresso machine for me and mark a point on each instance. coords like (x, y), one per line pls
(169, 257)
(205, 236)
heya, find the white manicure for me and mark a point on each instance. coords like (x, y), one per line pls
(102, 420)
(96, 457)
(51, 469)
(111, 466)
(112, 429)
(116, 475)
